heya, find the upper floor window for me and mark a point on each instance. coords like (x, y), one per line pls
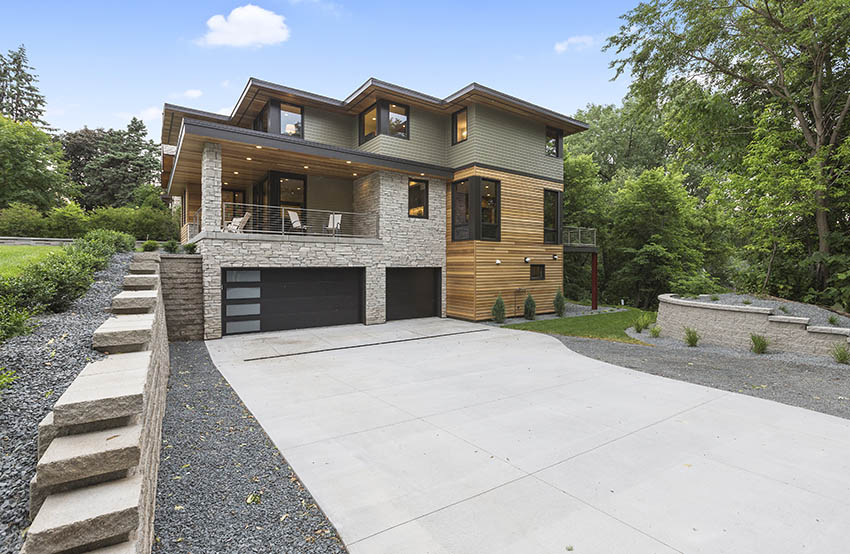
(417, 198)
(554, 142)
(460, 210)
(384, 118)
(490, 220)
(476, 209)
(551, 216)
(459, 126)
(290, 120)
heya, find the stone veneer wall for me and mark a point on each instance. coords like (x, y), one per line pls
(731, 326)
(183, 294)
(403, 242)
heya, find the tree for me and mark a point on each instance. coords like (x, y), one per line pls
(109, 165)
(795, 55)
(20, 99)
(32, 169)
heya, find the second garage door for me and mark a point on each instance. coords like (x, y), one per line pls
(272, 299)
(413, 292)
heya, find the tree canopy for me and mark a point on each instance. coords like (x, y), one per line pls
(20, 99)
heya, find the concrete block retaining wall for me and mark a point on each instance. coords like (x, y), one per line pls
(183, 292)
(95, 482)
(731, 326)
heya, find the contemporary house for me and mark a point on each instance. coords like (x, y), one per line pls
(390, 204)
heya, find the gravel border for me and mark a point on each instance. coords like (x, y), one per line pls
(818, 316)
(45, 361)
(572, 310)
(811, 382)
(214, 457)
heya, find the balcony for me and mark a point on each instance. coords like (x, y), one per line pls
(296, 221)
(580, 236)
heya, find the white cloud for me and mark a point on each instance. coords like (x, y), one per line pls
(245, 26)
(224, 111)
(578, 42)
(192, 93)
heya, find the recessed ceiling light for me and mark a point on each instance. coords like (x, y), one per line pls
(249, 159)
(236, 173)
(354, 174)
(306, 167)
(422, 174)
(259, 147)
(225, 182)
(348, 161)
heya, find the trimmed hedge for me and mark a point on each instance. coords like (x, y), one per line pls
(54, 282)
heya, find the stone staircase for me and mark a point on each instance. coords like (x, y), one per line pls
(95, 484)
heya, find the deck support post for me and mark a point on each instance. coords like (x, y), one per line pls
(594, 292)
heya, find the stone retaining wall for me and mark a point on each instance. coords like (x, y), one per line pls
(183, 292)
(728, 325)
(95, 481)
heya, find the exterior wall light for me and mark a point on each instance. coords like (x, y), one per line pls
(498, 262)
(527, 259)
(554, 256)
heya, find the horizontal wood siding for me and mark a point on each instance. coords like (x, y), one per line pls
(429, 135)
(329, 127)
(474, 280)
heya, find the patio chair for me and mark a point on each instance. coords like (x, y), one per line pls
(295, 220)
(334, 224)
(237, 224)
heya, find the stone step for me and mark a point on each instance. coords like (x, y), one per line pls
(87, 455)
(134, 302)
(844, 331)
(141, 282)
(144, 268)
(92, 516)
(106, 389)
(124, 333)
(147, 257)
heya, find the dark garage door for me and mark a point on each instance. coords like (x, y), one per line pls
(413, 292)
(291, 298)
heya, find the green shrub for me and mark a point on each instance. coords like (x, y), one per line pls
(644, 321)
(498, 311)
(530, 309)
(14, 320)
(21, 220)
(759, 345)
(560, 303)
(171, 246)
(700, 283)
(714, 298)
(746, 302)
(150, 246)
(840, 353)
(833, 320)
(655, 331)
(691, 336)
(67, 273)
(783, 309)
(114, 219)
(68, 221)
(191, 248)
(155, 223)
(6, 378)
(119, 241)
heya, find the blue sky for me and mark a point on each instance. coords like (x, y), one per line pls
(101, 62)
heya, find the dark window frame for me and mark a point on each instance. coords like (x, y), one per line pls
(385, 129)
(559, 142)
(280, 122)
(268, 120)
(539, 277)
(474, 223)
(454, 126)
(363, 138)
(382, 121)
(425, 200)
(557, 230)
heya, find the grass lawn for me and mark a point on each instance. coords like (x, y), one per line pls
(609, 326)
(13, 258)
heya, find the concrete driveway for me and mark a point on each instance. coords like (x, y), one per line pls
(440, 436)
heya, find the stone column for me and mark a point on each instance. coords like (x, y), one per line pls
(376, 294)
(211, 187)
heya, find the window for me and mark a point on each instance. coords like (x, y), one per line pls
(538, 272)
(490, 228)
(290, 120)
(476, 209)
(552, 217)
(460, 210)
(417, 198)
(369, 124)
(554, 142)
(398, 121)
(459, 126)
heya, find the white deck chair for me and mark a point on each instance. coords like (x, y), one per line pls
(334, 223)
(237, 224)
(295, 219)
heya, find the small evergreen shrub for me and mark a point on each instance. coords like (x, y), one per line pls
(530, 309)
(655, 331)
(190, 248)
(560, 303)
(6, 378)
(171, 246)
(498, 311)
(833, 320)
(150, 246)
(759, 345)
(68, 221)
(714, 298)
(14, 320)
(840, 353)
(68, 275)
(691, 336)
(746, 302)
(783, 309)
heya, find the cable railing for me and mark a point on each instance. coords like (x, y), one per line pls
(579, 236)
(296, 221)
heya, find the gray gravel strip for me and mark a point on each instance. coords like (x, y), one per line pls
(45, 361)
(223, 486)
(811, 382)
(818, 316)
